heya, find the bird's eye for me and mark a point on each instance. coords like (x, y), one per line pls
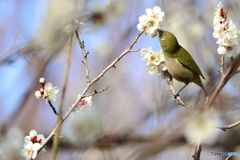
(162, 38)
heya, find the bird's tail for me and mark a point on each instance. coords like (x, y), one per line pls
(198, 81)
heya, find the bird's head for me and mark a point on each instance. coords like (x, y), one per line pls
(168, 41)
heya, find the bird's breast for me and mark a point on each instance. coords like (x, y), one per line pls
(178, 71)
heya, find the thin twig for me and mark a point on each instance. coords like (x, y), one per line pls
(53, 108)
(135, 50)
(81, 44)
(87, 88)
(64, 86)
(225, 128)
(178, 99)
(96, 92)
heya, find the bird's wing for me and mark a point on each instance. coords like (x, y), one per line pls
(187, 61)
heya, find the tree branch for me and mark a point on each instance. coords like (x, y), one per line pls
(96, 92)
(81, 44)
(197, 152)
(225, 128)
(87, 88)
(232, 70)
(178, 99)
(64, 86)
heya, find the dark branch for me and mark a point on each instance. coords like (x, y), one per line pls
(53, 108)
(197, 152)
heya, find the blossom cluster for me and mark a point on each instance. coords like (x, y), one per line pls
(99, 13)
(83, 103)
(32, 144)
(226, 33)
(152, 21)
(201, 127)
(154, 60)
(47, 91)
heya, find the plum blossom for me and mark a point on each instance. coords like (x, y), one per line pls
(51, 92)
(225, 32)
(202, 127)
(34, 137)
(83, 103)
(47, 91)
(32, 143)
(152, 21)
(30, 150)
(154, 60)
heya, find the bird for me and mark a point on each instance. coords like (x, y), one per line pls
(179, 62)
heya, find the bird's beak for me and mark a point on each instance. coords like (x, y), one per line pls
(160, 32)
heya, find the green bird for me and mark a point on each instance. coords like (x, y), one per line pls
(179, 62)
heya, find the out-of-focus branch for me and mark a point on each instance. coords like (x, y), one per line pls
(158, 143)
(88, 87)
(238, 71)
(81, 44)
(197, 152)
(232, 70)
(225, 128)
(64, 86)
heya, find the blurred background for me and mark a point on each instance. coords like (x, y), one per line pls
(135, 118)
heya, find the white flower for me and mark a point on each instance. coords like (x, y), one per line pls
(219, 20)
(231, 27)
(154, 60)
(228, 39)
(32, 144)
(154, 70)
(152, 21)
(50, 92)
(229, 51)
(218, 14)
(83, 103)
(47, 91)
(222, 50)
(30, 150)
(226, 33)
(34, 137)
(218, 30)
(156, 64)
(201, 127)
(146, 52)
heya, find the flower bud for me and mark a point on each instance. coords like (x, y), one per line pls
(38, 94)
(42, 80)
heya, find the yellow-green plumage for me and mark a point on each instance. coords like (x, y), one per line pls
(179, 62)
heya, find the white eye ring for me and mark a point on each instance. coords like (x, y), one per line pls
(162, 38)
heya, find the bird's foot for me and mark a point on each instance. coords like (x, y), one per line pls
(176, 95)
